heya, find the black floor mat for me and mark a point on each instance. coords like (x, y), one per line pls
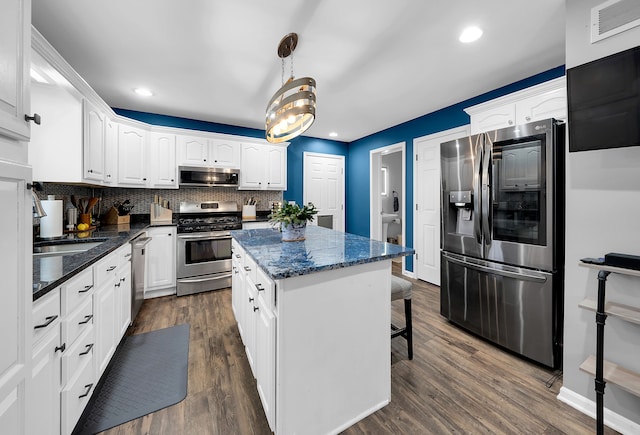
(148, 372)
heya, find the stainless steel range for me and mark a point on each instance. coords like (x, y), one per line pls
(204, 245)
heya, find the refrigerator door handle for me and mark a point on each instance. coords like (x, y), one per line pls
(477, 175)
(505, 273)
(486, 194)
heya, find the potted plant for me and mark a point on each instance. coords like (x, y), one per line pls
(293, 220)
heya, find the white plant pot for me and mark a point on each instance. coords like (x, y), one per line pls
(293, 232)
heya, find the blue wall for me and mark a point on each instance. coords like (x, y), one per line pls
(358, 169)
(357, 153)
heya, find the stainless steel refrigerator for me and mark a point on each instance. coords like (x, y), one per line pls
(503, 237)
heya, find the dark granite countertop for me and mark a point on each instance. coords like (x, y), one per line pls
(261, 216)
(323, 249)
(51, 271)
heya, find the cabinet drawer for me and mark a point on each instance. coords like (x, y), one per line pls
(124, 255)
(76, 354)
(237, 254)
(266, 288)
(250, 268)
(46, 314)
(105, 269)
(77, 322)
(76, 291)
(76, 395)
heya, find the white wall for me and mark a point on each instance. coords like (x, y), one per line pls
(603, 215)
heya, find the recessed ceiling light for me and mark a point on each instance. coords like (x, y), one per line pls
(143, 92)
(333, 134)
(470, 34)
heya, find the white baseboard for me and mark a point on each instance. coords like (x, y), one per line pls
(405, 272)
(587, 406)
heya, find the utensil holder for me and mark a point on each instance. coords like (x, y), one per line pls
(85, 218)
(248, 212)
(159, 214)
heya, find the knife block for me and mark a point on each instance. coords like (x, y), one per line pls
(112, 218)
(160, 215)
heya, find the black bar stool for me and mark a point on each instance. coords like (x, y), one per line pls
(402, 289)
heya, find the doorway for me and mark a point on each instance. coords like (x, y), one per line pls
(324, 187)
(388, 193)
(427, 198)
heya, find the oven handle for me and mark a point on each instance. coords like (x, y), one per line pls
(203, 279)
(190, 237)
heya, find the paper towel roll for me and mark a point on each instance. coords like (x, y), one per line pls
(51, 224)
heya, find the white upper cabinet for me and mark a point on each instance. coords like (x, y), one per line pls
(111, 152)
(15, 31)
(264, 167)
(224, 153)
(193, 151)
(94, 142)
(201, 151)
(55, 150)
(131, 156)
(546, 100)
(162, 155)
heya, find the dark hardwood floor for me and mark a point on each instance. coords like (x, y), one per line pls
(456, 383)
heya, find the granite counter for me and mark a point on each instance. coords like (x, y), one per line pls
(323, 249)
(51, 271)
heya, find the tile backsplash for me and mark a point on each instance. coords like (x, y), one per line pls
(143, 198)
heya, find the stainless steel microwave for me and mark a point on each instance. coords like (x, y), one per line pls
(194, 176)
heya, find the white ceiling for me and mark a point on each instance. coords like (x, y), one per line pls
(377, 63)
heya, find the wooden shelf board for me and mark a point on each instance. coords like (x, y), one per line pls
(615, 374)
(614, 309)
(620, 270)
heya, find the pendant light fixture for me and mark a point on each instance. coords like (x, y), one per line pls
(292, 109)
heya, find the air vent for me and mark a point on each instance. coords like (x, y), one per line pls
(613, 17)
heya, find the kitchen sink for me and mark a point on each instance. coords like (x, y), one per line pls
(64, 248)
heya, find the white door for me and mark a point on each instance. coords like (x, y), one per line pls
(427, 203)
(324, 187)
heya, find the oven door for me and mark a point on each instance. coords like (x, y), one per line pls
(203, 254)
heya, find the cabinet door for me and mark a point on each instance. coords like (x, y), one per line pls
(225, 153)
(193, 151)
(162, 153)
(15, 309)
(15, 42)
(551, 104)
(238, 300)
(161, 258)
(249, 318)
(131, 156)
(44, 401)
(123, 301)
(111, 152)
(94, 140)
(252, 168)
(105, 324)
(276, 168)
(492, 119)
(266, 358)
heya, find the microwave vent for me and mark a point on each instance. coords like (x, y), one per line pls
(613, 17)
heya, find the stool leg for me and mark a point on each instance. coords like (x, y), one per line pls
(409, 327)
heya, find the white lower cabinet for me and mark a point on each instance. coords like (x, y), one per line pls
(44, 403)
(253, 302)
(76, 329)
(160, 258)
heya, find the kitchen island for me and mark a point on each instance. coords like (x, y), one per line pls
(315, 319)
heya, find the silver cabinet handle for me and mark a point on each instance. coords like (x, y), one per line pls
(86, 288)
(86, 393)
(49, 321)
